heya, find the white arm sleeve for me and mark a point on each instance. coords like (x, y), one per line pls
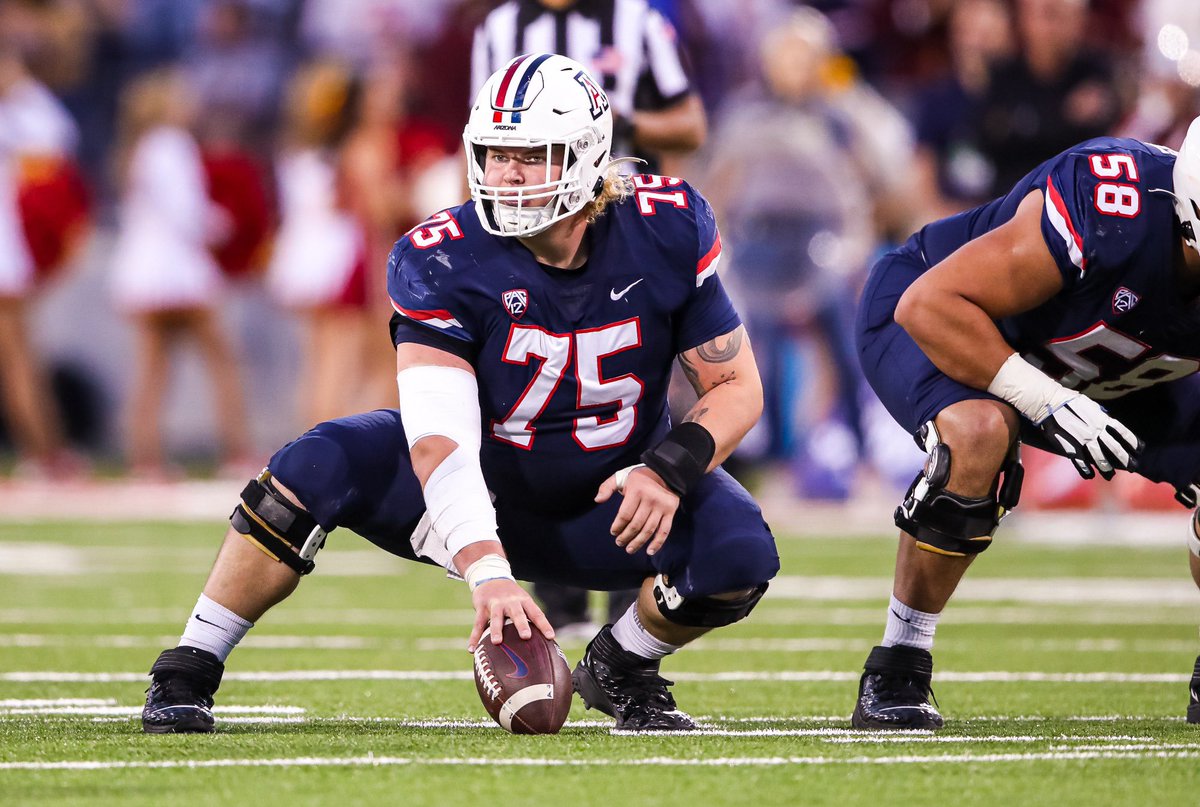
(444, 401)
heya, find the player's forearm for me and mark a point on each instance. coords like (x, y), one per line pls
(728, 411)
(958, 336)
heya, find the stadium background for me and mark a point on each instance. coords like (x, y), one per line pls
(912, 101)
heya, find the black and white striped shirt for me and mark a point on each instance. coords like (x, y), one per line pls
(629, 47)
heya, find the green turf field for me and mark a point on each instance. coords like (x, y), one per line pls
(1062, 673)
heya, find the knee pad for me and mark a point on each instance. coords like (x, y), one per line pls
(947, 523)
(279, 528)
(703, 612)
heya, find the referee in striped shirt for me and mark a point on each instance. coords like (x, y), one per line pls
(632, 49)
(626, 44)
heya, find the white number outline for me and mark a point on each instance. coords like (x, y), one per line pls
(1085, 376)
(646, 188)
(517, 427)
(1116, 198)
(434, 230)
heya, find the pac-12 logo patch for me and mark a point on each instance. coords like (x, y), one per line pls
(1124, 300)
(516, 301)
(596, 96)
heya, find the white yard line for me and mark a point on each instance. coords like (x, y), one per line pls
(815, 676)
(1153, 753)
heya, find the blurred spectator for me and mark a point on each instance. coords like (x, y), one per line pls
(358, 32)
(799, 170)
(236, 71)
(34, 135)
(163, 275)
(630, 47)
(951, 175)
(1169, 96)
(386, 155)
(1054, 94)
(318, 267)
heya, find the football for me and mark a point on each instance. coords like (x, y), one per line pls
(525, 684)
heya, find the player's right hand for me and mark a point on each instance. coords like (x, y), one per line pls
(647, 511)
(1090, 438)
(501, 599)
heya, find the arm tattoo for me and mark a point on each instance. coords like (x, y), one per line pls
(712, 353)
(693, 375)
(695, 415)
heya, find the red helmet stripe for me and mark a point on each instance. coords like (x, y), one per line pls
(508, 77)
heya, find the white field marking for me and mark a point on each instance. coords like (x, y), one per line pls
(817, 644)
(524, 762)
(259, 642)
(875, 737)
(457, 643)
(55, 560)
(256, 720)
(797, 676)
(281, 616)
(38, 703)
(112, 709)
(1049, 590)
(770, 613)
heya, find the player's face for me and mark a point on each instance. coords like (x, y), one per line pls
(522, 167)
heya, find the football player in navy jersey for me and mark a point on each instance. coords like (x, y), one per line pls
(535, 329)
(1065, 315)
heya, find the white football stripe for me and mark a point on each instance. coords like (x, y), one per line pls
(530, 694)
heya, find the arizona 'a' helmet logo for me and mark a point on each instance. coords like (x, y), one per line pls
(596, 96)
(516, 301)
(1124, 300)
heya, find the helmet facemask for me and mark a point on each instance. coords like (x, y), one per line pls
(538, 101)
(526, 210)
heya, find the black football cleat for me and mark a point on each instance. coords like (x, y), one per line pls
(180, 698)
(1193, 710)
(895, 690)
(628, 687)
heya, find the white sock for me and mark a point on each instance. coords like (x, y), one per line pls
(908, 626)
(632, 635)
(214, 628)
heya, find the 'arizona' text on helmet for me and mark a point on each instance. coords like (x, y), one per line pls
(539, 101)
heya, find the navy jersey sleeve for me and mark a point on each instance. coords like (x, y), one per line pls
(708, 311)
(430, 308)
(1092, 206)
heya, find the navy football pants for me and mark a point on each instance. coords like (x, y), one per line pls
(1166, 417)
(355, 473)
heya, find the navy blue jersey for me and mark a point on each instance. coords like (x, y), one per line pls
(1119, 324)
(573, 366)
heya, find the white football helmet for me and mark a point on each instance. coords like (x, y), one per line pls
(539, 100)
(1186, 179)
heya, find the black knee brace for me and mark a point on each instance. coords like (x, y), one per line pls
(276, 526)
(704, 612)
(945, 522)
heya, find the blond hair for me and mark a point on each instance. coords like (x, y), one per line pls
(617, 187)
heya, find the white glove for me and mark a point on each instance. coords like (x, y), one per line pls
(1079, 425)
(1089, 437)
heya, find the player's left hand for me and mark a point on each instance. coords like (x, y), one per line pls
(648, 509)
(1091, 438)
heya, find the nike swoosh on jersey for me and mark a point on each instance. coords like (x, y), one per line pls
(617, 295)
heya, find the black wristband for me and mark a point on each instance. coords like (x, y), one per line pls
(682, 457)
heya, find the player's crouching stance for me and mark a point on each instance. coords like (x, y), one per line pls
(1015, 322)
(534, 339)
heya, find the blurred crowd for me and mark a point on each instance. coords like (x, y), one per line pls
(197, 197)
